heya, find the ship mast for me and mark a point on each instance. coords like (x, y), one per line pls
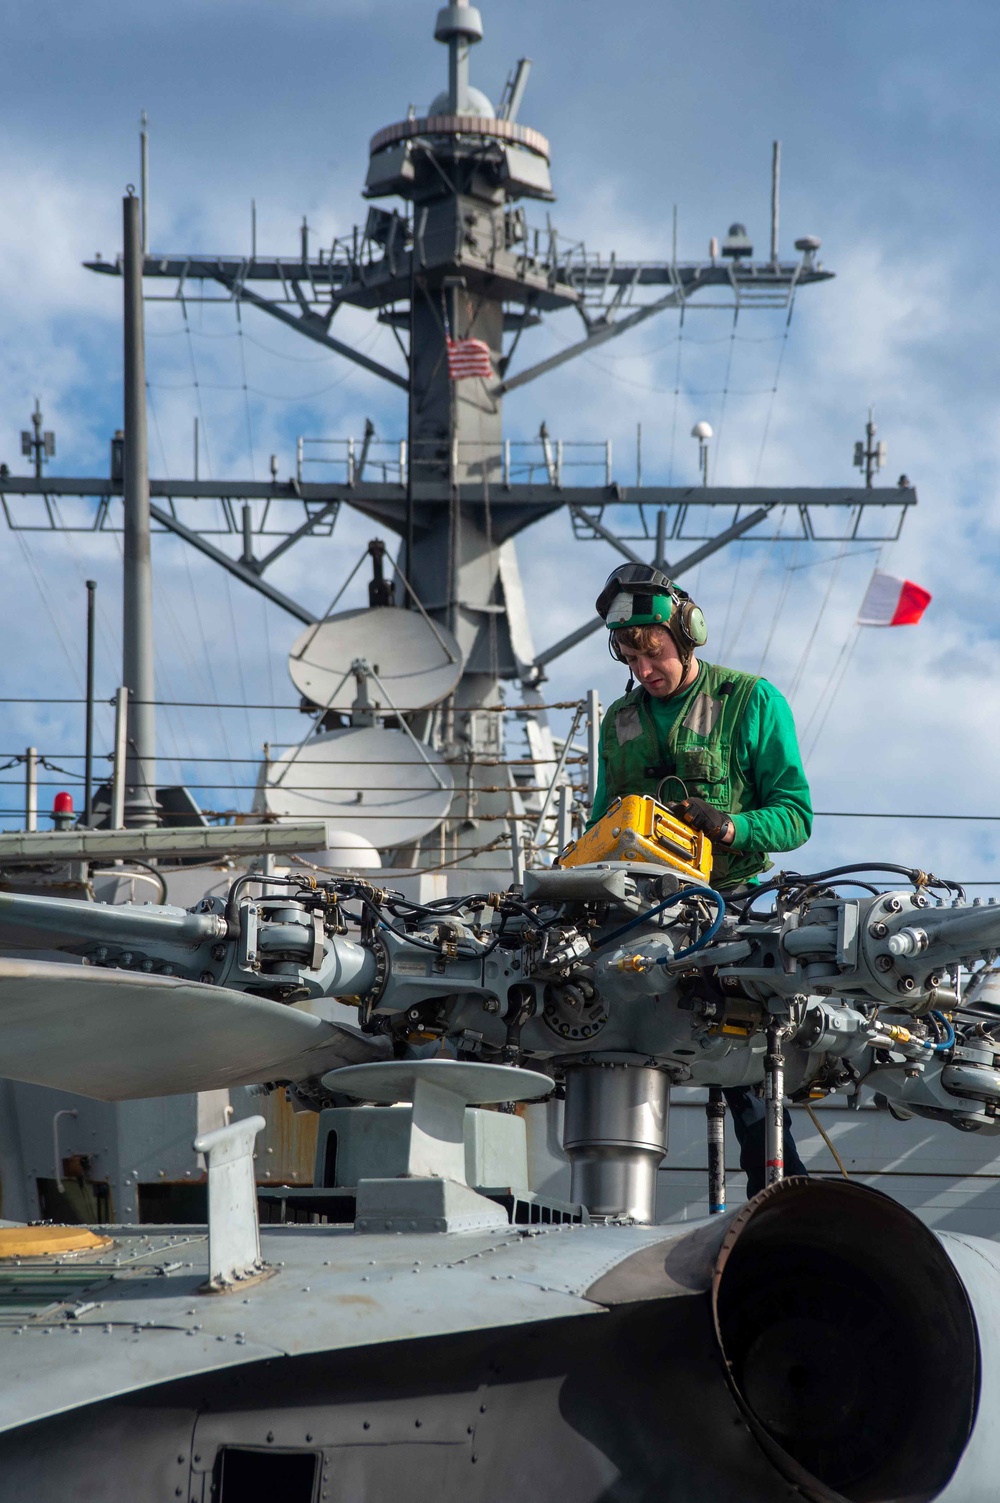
(459, 261)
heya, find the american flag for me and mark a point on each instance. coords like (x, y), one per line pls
(468, 357)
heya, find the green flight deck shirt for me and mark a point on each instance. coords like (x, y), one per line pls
(766, 795)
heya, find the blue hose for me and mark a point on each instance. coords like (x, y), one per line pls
(948, 1043)
(709, 933)
(677, 897)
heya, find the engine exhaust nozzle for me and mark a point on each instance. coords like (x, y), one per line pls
(848, 1340)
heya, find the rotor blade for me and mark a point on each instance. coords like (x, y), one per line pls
(118, 1036)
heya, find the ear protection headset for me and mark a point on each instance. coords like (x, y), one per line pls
(641, 595)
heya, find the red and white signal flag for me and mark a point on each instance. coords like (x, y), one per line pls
(891, 601)
(468, 357)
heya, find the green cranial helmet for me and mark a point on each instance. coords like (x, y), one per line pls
(641, 595)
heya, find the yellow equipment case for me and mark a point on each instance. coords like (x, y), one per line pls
(637, 828)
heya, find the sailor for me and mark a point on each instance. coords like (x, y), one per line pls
(719, 746)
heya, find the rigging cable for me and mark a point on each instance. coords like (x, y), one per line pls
(197, 386)
(246, 394)
(725, 394)
(774, 390)
(753, 593)
(677, 398)
(807, 650)
(832, 687)
(164, 666)
(779, 606)
(207, 659)
(741, 554)
(49, 606)
(845, 656)
(849, 646)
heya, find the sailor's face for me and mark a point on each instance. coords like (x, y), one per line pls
(659, 669)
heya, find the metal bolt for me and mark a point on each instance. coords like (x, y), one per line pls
(878, 930)
(883, 962)
(905, 984)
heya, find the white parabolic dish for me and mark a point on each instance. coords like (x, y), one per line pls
(419, 663)
(367, 781)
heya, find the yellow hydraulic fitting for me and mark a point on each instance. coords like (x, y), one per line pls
(634, 963)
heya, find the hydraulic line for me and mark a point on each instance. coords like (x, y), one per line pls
(677, 897)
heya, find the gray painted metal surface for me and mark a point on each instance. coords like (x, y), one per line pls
(376, 1142)
(333, 1290)
(115, 1036)
(233, 1228)
(21, 848)
(975, 1479)
(358, 1342)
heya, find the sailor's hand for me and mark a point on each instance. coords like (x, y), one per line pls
(714, 823)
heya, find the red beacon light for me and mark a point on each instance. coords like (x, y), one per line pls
(62, 811)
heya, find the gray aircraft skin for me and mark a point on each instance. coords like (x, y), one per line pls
(595, 1362)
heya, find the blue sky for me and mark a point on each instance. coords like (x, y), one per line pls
(888, 131)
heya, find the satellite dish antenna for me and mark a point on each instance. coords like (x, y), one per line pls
(365, 781)
(418, 661)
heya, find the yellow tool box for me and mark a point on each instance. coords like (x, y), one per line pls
(639, 829)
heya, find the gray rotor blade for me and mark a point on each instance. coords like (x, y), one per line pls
(117, 1036)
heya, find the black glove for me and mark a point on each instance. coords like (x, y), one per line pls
(695, 812)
